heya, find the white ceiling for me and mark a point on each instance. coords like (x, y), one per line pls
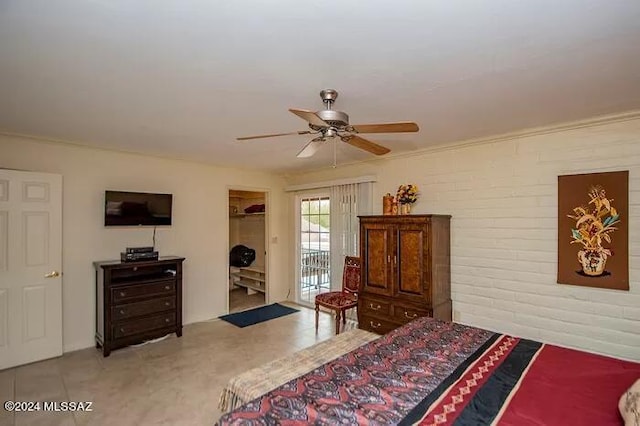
(183, 78)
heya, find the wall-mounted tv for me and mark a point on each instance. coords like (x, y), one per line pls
(137, 209)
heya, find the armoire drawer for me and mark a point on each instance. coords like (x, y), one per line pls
(146, 307)
(374, 307)
(122, 293)
(131, 327)
(407, 313)
(376, 325)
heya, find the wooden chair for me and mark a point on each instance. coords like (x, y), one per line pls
(347, 298)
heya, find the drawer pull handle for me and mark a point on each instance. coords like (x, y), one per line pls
(166, 287)
(167, 304)
(375, 308)
(167, 320)
(121, 330)
(414, 315)
(121, 311)
(135, 268)
(376, 325)
(123, 294)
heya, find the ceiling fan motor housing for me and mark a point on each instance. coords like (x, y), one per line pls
(334, 118)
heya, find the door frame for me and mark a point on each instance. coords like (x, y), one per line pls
(267, 238)
(318, 192)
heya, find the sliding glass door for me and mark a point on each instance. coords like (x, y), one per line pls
(314, 248)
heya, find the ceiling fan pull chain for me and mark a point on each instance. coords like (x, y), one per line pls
(335, 153)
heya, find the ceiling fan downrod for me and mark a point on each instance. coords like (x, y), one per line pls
(328, 97)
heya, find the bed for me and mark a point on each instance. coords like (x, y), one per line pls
(253, 383)
(431, 372)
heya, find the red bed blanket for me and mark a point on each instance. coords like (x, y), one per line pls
(438, 373)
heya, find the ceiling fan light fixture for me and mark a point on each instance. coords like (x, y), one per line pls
(331, 132)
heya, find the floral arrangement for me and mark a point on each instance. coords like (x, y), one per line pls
(407, 194)
(594, 225)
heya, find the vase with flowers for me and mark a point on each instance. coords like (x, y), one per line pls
(406, 196)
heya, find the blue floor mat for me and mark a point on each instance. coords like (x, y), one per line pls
(258, 315)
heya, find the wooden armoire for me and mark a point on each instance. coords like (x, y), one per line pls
(406, 270)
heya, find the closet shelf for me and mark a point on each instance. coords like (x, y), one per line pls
(249, 277)
(241, 215)
(253, 286)
(253, 278)
(252, 269)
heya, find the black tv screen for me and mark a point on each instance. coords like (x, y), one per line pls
(137, 209)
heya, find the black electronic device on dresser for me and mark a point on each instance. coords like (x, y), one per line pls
(138, 254)
(137, 301)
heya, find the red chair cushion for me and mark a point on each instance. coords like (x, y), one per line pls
(336, 299)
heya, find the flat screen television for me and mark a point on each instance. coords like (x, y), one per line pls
(137, 209)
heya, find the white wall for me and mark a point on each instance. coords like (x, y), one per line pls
(503, 198)
(198, 233)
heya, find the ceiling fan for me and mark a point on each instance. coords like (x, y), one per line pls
(330, 124)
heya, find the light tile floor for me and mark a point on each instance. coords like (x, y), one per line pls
(239, 300)
(173, 382)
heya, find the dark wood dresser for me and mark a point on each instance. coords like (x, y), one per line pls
(406, 270)
(137, 301)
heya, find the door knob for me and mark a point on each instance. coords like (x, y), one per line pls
(52, 274)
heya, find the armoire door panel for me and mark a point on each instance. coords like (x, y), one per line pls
(411, 269)
(376, 272)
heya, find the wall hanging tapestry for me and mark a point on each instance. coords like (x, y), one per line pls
(593, 230)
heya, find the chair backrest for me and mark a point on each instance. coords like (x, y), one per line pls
(351, 275)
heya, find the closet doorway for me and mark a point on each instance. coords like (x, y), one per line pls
(248, 284)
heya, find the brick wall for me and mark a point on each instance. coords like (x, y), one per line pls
(503, 199)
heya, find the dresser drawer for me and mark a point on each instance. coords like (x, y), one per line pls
(376, 325)
(141, 290)
(406, 313)
(374, 307)
(129, 328)
(119, 312)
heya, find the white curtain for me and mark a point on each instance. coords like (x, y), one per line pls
(347, 203)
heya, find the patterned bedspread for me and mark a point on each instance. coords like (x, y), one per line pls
(378, 383)
(430, 372)
(258, 381)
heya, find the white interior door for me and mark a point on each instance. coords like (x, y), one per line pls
(30, 267)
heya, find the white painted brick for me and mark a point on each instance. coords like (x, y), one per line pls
(492, 253)
(628, 326)
(516, 244)
(605, 310)
(632, 313)
(471, 299)
(556, 302)
(537, 256)
(500, 294)
(549, 289)
(620, 298)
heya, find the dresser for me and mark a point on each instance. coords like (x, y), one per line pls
(406, 270)
(137, 301)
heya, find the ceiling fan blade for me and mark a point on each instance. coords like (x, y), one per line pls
(311, 148)
(401, 127)
(367, 145)
(309, 116)
(301, 132)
